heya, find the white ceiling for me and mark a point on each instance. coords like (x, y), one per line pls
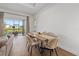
(26, 8)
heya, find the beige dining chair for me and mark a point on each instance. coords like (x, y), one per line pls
(9, 46)
(2, 42)
(31, 43)
(52, 45)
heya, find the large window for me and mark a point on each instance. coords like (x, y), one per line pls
(10, 23)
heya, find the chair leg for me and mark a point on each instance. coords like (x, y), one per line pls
(56, 52)
(28, 48)
(6, 51)
(51, 52)
(10, 50)
(31, 51)
(41, 51)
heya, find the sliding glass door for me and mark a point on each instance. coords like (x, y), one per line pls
(13, 25)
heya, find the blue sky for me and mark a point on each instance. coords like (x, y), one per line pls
(13, 21)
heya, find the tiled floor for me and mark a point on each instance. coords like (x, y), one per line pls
(20, 49)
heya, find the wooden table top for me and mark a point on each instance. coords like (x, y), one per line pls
(41, 36)
(46, 36)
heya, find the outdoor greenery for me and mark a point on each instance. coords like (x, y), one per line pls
(11, 29)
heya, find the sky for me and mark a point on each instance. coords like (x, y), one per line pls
(12, 21)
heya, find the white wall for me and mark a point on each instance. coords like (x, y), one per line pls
(62, 19)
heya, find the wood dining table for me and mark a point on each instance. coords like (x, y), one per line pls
(45, 39)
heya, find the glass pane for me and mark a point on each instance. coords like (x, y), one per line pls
(13, 25)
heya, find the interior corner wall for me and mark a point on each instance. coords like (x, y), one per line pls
(1, 23)
(31, 24)
(62, 19)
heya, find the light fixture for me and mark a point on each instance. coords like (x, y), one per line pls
(34, 4)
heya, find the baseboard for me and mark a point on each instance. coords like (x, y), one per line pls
(69, 50)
